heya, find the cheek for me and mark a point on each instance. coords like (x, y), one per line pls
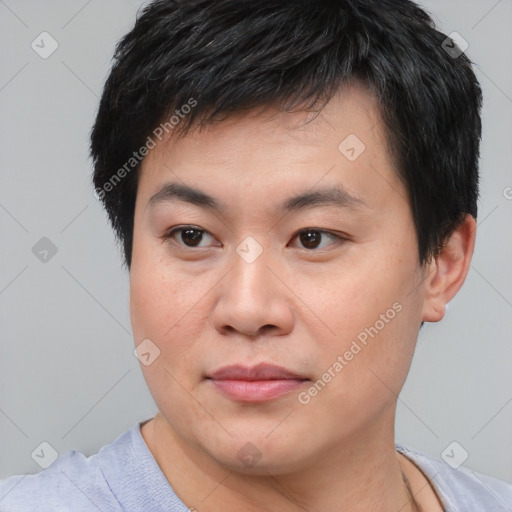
(169, 310)
(369, 376)
(347, 300)
(152, 302)
(375, 320)
(162, 310)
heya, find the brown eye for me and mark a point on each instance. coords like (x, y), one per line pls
(312, 238)
(190, 236)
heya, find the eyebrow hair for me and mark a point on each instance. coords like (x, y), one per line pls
(187, 194)
(336, 196)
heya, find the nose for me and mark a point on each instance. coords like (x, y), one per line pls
(252, 300)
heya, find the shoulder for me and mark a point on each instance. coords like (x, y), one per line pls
(73, 482)
(460, 488)
(122, 476)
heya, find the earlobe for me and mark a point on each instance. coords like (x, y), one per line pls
(448, 270)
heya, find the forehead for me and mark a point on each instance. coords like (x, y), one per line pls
(353, 108)
(274, 151)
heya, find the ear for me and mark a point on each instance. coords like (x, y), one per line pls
(447, 272)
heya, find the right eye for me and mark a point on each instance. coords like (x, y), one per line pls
(188, 236)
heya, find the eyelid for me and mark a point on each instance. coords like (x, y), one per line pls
(171, 232)
(338, 237)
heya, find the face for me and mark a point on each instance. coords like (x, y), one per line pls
(275, 267)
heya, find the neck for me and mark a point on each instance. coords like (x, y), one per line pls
(362, 475)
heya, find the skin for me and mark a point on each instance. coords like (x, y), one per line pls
(300, 308)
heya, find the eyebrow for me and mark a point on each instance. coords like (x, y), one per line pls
(331, 196)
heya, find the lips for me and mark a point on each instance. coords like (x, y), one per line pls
(257, 383)
(260, 372)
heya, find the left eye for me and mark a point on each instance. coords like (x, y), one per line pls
(190, 236)
(312, 238)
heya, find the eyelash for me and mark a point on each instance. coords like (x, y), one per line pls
(169, 236)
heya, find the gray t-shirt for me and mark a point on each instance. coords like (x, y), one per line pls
(124, 476)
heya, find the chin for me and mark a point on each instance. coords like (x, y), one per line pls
(258, 453)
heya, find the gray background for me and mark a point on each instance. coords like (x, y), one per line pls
(67, 372)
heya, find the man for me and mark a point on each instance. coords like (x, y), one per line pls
(295, 187)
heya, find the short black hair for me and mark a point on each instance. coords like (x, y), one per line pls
(190, 63)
